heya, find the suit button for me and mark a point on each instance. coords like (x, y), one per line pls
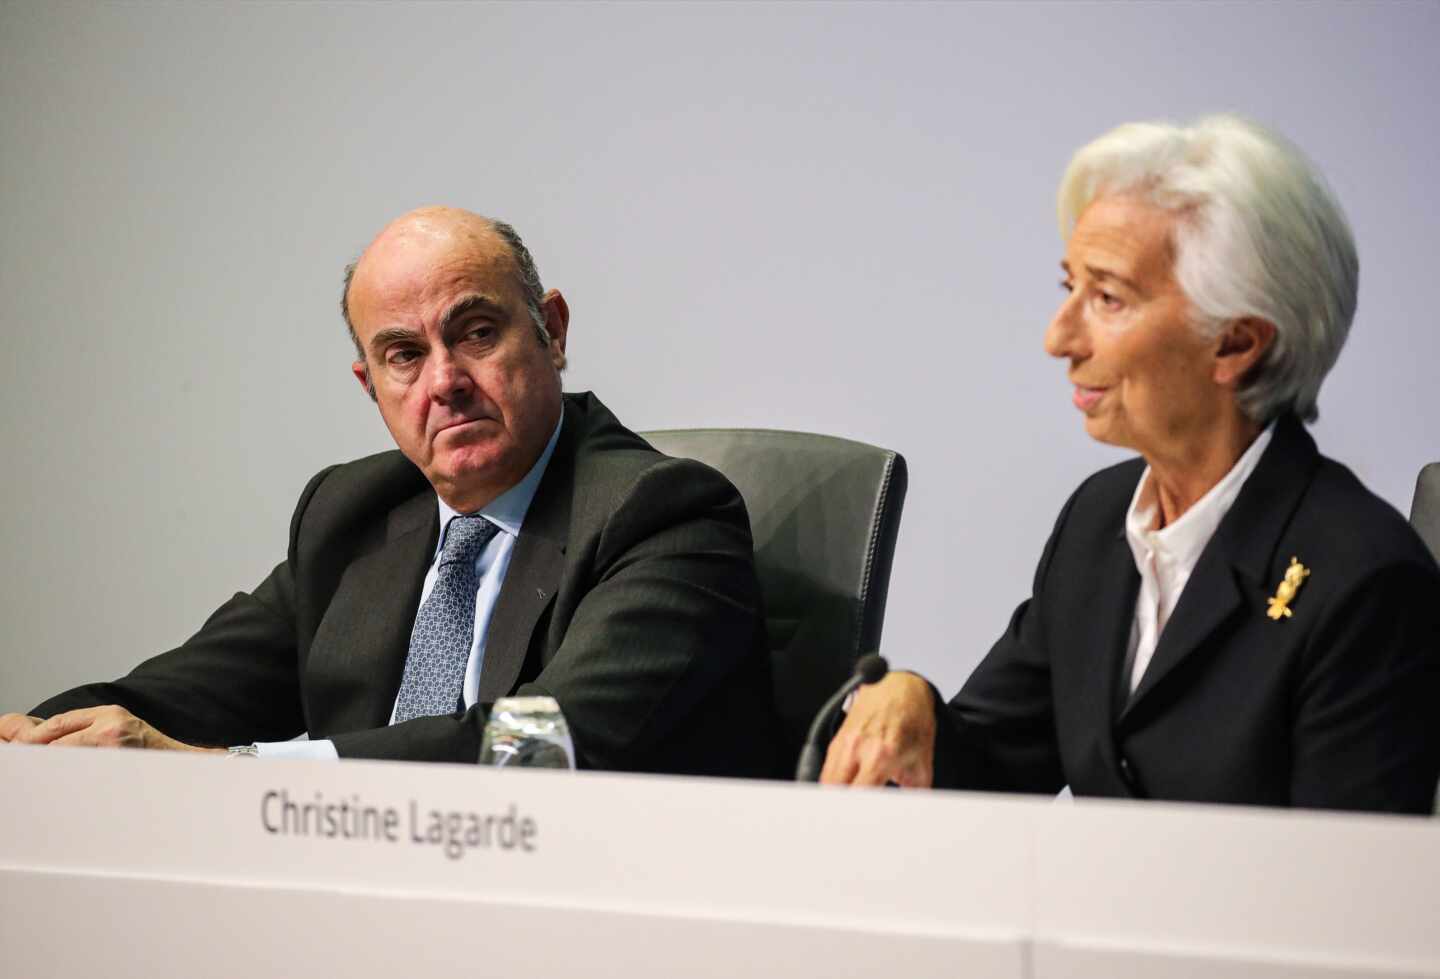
(1126, 773)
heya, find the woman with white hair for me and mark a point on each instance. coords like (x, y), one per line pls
(1231, 617)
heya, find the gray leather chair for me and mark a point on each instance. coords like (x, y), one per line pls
(1425, 511)
(825, 512)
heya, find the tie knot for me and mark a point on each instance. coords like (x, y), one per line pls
(466, 538)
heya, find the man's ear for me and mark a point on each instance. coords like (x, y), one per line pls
(557, 325)
(362, 374)
(1241, 345)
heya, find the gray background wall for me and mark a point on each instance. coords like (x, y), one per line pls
(826, 217)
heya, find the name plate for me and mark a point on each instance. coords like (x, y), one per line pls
(683, 868)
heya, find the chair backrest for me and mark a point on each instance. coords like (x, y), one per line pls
(1425, 518)
(824, 512)
(1425, 511)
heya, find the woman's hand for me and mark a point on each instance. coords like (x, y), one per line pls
(888, 736)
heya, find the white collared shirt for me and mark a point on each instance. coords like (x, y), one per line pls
(1166, 557)
(507, 511)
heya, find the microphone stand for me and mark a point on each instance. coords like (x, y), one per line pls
(870, 668)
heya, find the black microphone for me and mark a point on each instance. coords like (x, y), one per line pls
(870, 668)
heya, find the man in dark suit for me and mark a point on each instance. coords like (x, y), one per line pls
(1230, 618)
(519, 542)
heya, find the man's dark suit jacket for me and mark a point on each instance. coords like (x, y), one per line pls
(631, 598)
(1335, 707)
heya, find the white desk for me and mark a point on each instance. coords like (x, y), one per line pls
(148, 864)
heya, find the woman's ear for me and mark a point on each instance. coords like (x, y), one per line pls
(1241, 345)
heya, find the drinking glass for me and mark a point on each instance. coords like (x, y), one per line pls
(527, 732)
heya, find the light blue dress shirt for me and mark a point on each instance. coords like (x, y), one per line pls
(507, 511)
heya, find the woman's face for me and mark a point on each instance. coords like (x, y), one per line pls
(1144, 376)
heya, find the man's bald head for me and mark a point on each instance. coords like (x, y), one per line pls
(467, 233)
(459, 349)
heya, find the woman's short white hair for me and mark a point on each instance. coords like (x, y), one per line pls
(1260, 236)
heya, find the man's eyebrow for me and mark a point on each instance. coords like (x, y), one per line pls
(389, 335)
(468, 306)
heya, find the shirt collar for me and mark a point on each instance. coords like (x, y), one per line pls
(507, 511)
(1183, 540)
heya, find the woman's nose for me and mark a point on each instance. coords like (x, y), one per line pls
(1065, 336)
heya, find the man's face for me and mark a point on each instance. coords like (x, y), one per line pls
(1144, 376)
(466, 387)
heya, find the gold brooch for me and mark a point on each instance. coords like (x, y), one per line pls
(1295, 576)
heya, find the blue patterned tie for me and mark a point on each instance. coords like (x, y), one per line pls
(445, 625)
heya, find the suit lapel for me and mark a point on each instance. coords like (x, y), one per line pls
(535, 567)
(1234, 563)
(1210, 598)
(376, 601)
(1103, 623)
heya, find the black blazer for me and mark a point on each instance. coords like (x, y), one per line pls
(631, 598)
(1337, 706)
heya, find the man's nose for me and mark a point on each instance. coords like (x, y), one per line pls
(448, 379)
(1066, 335)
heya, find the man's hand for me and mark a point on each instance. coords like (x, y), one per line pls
(13, 725)
(100, 727)
(888, 736)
